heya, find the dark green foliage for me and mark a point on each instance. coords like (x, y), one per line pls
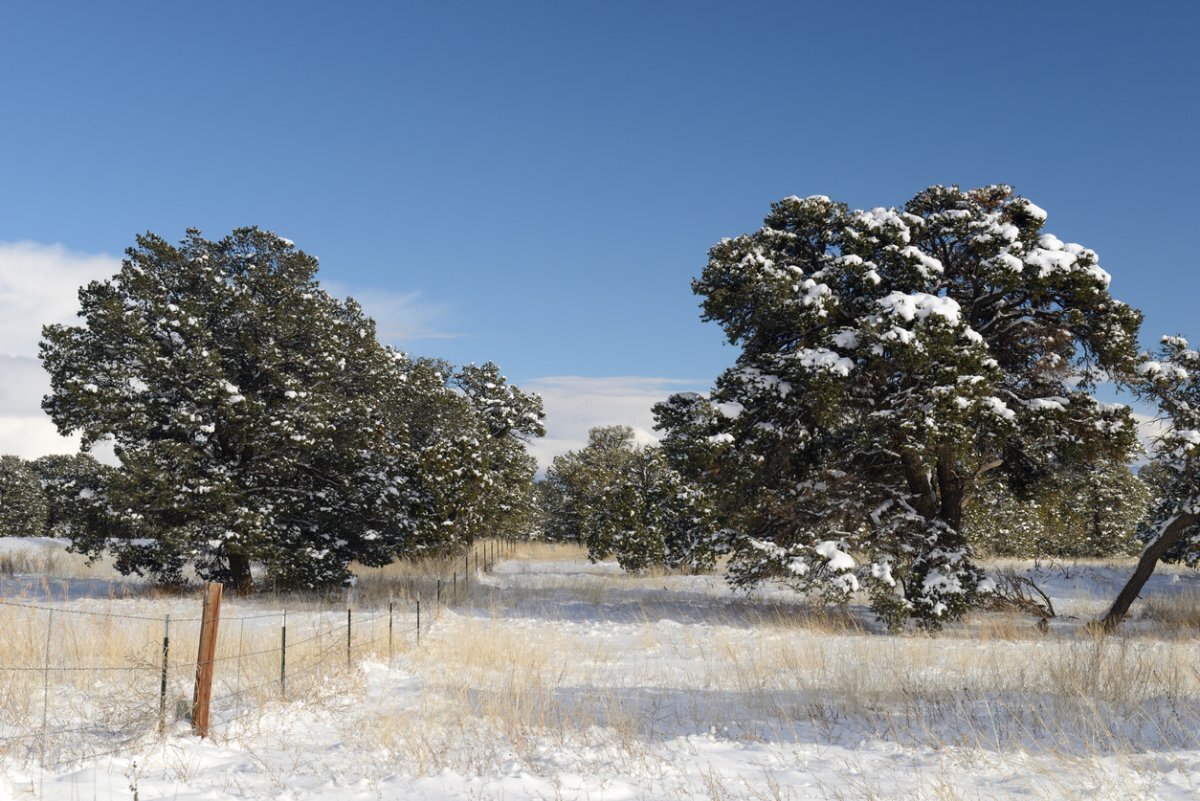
(891, 360)
(253, 414)
(1093, 512)
(23, 509)
(627, 501)
(508, 418)
(75, 489)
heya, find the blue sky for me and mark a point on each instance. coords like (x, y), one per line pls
(537, 183)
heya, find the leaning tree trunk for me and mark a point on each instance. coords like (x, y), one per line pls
(1169, 534)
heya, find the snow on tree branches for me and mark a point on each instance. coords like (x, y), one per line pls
(23, 506)
(626, 501)
(1171, 379)
(891, 360)
(256, 418)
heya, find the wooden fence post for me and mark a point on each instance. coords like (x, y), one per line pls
(202, 696)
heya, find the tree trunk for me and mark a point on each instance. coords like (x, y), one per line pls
(239, 574)
(1169, 534)
(916, 474)
(951, 490)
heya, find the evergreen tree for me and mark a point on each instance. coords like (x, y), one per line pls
(250, 410)
(1171, 533)
(890, 360)
(627, 501)
(1092, 512)
(22, 504)
(508, 419)
(74, 488)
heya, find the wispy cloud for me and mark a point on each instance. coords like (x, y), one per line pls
(575, 404)
(39, 285)
(1150, 428)
(400, 317)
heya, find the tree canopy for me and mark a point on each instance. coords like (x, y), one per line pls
(1169, 378)
(256, 417)
(625, 500)
(891, 360)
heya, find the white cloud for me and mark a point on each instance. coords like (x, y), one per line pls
(400, 317)
(38, 286)
(575, 404)
(1150, 429)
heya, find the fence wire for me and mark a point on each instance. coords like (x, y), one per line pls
(118, 716)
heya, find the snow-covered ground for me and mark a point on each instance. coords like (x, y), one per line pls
(560, 679)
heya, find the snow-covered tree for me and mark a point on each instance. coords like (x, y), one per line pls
(22, 504)
(74, 487)
(890, 360)
(1171, 379)
(626, 501)
(250, 411)
(568, 491)
(1089, 512)
(508, 418)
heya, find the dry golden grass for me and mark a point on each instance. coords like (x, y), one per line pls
(525, 550)
(53, 562)
(1174, 616)
(486, 685)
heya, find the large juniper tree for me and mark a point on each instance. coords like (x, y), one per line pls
(890, 360)
(250, 411)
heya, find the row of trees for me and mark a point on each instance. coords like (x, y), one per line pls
(48, 496)
(1089, 512)
(257, 418)
(911, 383)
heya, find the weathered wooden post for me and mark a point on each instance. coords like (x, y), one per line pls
(202, 697)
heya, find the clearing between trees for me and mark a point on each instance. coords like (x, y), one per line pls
(553, 677)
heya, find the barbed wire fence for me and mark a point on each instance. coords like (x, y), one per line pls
(78, 684)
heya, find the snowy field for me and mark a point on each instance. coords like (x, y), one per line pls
(553, 678)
